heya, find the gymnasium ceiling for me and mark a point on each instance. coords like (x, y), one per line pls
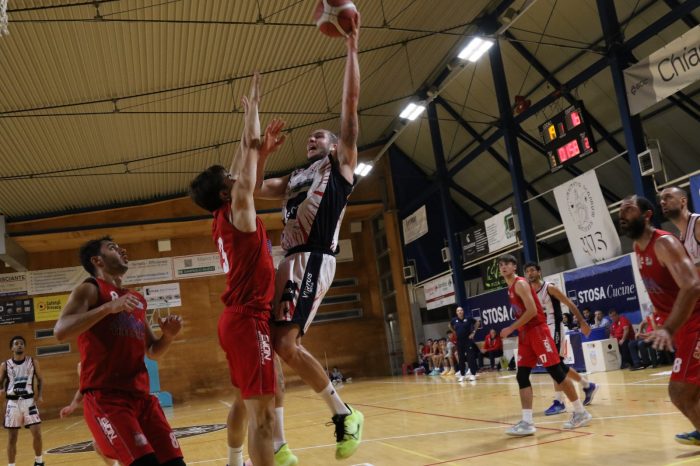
(124, 102)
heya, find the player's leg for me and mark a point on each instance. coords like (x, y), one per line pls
(35, 429)
(580, 417)
(13, 422)
(471, 361)
(684, 387)
(589, 388)
(236, 428)
(686, 397)
(32, 421)
(526, 425)
(261, 418)
(158, 432)
(12, 435)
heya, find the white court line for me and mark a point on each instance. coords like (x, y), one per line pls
(662, 373)
(74, 424)
(225, 403)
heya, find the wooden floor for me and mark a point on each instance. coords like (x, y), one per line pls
(419, 420)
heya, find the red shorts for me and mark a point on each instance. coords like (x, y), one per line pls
(128, 427)
(536, 345)
(246, 341)
(686, 367)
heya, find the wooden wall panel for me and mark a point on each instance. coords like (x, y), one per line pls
(195, 365)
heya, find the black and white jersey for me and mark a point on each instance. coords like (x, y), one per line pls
(20, 377)
(314, 206)
(689, 242)
(550, 306)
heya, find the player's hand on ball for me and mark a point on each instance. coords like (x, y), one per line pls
(661, 340)
(170, 325)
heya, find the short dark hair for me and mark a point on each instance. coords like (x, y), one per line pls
(17, 337)
(508, 259)
(205, 188)
(91, 249)
(642, 202)
(532, 264)
(612, 311)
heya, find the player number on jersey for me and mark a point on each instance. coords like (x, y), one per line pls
(677, 365)
(222, 254)
(173, 440)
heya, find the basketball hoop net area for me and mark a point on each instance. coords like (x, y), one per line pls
(3, 18)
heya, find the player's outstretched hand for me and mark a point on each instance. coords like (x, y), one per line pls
(127, 303)
(273, 137)
(170, 325)
(660, 340)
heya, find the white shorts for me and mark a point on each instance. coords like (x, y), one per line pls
(21, 412)
(302, 280)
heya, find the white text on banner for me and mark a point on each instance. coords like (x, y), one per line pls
(439, 292)
(415, 225)
(198, 265)
(159, 269)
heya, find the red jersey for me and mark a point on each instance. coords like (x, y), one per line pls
(519, 305)
(112, 350)
(659, 282)
(247, 261)
(493, 344)
(617, 329)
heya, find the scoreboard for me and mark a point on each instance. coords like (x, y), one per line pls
(567, 137)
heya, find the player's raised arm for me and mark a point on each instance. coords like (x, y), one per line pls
(675, 258)
(349, 122)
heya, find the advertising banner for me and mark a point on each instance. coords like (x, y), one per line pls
(198, 265)
(13, 311)
(415, 225)
(48, 308)
(159, 269)
(439, 292)
(494, 311)
(13, 284)
(500, 230)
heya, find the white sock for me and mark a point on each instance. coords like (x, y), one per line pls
(578, 406)
(559, 396)
(584, 382)
(527, 416)
(39, 459)
(235, 456)
(10, 464)
(278, 436)
(330, 396)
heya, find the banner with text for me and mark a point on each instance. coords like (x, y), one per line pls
(162, 296)
(500, 230)
(12, 284)
(14, 311)
(52, 281)
(439, 292)
(589, 228)
(695, 192)
(159, 269)
(415, 225)
(664, 72)
(48, 308)
(493, 309)
(605, 286)
(198, 265)
(475, 243)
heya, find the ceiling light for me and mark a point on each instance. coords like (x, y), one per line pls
(475, 49)
(412, 111)
(363, 169)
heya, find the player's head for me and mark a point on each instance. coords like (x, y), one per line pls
(212, 188)
(586, 313)
(460, 312)
(635, 216)
(103, 255)
(321, 142)
(492, 332)
(673, 202)
(17, 344)
(533, 272)
(598, 314)
(507, 265)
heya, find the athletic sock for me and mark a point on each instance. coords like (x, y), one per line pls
(278, 436)
(10, 464)
(39, 459)
(235, 456)
(527, 416)
(559, 396)
(584, 383)
(330, 396)
(578, 406)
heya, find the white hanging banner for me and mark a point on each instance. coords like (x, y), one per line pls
(500, 230)
(664, 72)
(415, 225)
(589, 228)
(13, 284)
(148, 271)
(197, 265)
(162, 296)
(439, 292)
(55, 281)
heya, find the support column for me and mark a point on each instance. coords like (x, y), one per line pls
(510, 136)
(446, 204)
(619, 59)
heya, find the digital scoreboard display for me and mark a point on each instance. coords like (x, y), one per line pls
(567, 137)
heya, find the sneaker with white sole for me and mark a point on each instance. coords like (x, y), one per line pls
(590, 393)
(471, 378)
(578, 420)
(521, 429)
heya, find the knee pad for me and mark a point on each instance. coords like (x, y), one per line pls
(523, 377)
(148, 460)
(557, 373)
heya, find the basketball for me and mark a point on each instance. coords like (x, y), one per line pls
(335, 17)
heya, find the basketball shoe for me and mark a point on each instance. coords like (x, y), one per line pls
(578, 420)
(590, 393)
(557, 408)
(521, 429)
(689, 438)
(348, 432)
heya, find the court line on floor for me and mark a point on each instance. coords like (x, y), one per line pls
(415, 453)
(513, 448)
